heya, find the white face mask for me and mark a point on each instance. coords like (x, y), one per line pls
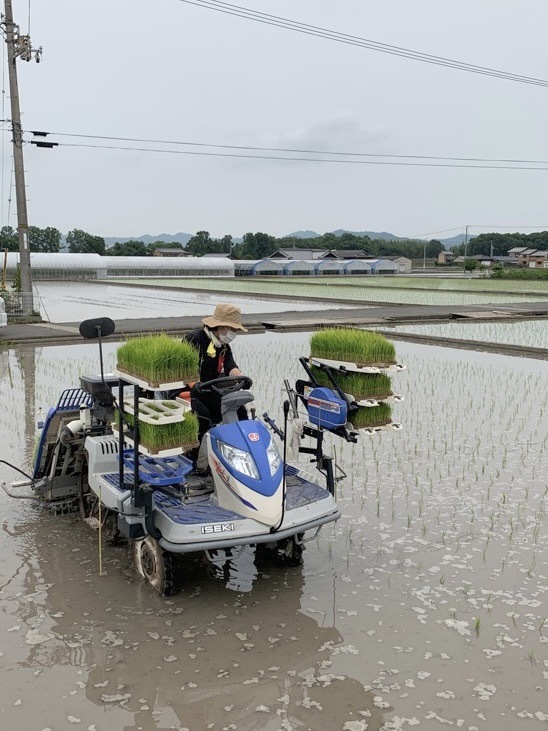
(227, 337)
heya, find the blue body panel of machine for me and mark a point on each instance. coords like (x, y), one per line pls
(326, 408)
(253, 437)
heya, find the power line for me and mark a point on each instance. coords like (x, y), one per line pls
(291, 150)
(300, 159)
(313, 30)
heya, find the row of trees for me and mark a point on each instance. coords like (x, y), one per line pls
(49, 240)
(260, 245)
(500, 244)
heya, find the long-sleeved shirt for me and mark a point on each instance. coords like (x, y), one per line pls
(214, 362)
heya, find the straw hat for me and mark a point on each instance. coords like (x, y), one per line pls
(226, 315)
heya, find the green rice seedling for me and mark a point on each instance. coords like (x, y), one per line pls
(356, 346)
(158, 359)
(366, 416)
(359, 385)
(157, 437)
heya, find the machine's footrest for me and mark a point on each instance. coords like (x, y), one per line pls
(159, 471)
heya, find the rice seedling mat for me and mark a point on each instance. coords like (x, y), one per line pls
(154, 411)
(135, 381)
(342, 366)
(161, 452)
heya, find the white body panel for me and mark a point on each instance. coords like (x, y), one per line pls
(231, 494)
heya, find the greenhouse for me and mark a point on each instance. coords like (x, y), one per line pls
(169, 266)
(383, 266)
(330, 266)
(272, 267)
(301, 268)
(357, 266)
(60, 266)
(94, 266)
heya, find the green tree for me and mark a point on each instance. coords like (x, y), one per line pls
(471, 264)
(9, 239)
(226, 243)
(44, 239)
(199, 244)
(129, 248)
(81, 242)
(258, 245)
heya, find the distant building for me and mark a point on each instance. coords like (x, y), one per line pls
(532, 258)
(297, 254)
(170, 252)
(404, 264)
(537, 260)
(345, 254)
(446, 257)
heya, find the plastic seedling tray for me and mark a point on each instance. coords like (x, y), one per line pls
(159, 471)
(394, 426)
(345, 366)
(368, 402)
(161, 452)
(153, 411)
(129, 378)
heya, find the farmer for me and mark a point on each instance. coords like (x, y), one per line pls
(212, 342)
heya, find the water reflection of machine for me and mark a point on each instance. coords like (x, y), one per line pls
(262, 664)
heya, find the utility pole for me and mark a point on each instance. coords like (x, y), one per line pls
(19, 46)
(465, 246)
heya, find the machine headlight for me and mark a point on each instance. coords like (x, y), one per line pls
(274, 459)
(239, 459)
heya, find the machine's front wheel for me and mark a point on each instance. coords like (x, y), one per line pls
(289, 551)
(154, 565)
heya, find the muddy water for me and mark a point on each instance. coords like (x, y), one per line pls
(424, 606)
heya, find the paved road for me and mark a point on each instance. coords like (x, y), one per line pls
(52, 333)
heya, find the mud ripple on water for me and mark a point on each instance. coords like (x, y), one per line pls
(425, 605)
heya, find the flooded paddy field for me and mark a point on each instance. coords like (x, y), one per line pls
(359, 290)
(71, 301)
(527, 333)
(425, 606)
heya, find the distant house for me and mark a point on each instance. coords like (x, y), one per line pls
(532, 258)
(537, 260)
(221, 255)
(170, 252)
(404, 264)
(446, 257)
(297, 254)
(517, 251)
(345, 254)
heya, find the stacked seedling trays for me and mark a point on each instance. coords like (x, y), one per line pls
(361, 363)
(154, 363)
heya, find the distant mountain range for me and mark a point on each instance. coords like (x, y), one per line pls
(183, 238)
(448, 243)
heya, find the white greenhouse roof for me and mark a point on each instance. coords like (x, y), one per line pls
(59, 261)
(165, 262)
(74, 262)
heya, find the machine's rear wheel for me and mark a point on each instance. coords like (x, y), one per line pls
(154, 565)
(289, 551)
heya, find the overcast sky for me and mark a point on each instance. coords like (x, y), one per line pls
(167, 70)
